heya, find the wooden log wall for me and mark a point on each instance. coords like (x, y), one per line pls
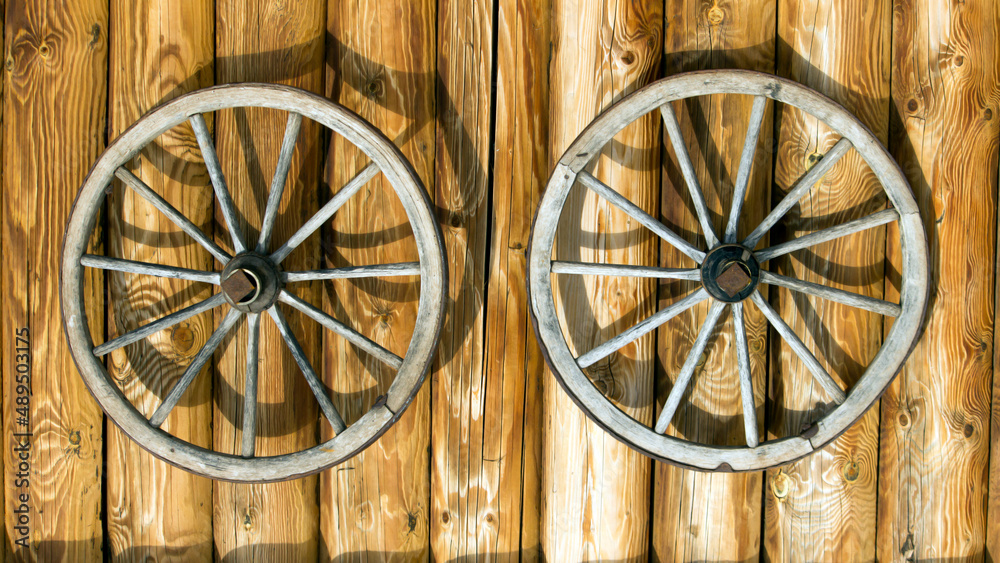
(601, 52)
(493, 460)
(150, 503)
(698, 37)
(833, 491)
(380, 63)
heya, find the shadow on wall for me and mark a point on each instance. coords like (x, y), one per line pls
(448, 116)
(51, 551)
(857, 274)
(372, 84)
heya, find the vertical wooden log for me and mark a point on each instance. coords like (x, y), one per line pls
(3, 535)
(162, 50)
(595, 500)
(463, 522)
(934, 447)
(993, 481)
(54, 124)
(269, 42)
(382, 59)
(701, 516)
(514, 365)
(823, 507)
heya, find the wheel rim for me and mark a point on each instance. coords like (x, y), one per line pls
(570, 170)
(252, 283)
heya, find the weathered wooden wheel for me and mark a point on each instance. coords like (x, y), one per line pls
(729, 270)
(252, 282)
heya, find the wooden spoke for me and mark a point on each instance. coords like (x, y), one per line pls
(647, 220)
(687, 169)
(624, 270)
(325, 404)
(218, 181)
(279, 180)
(797, 346)
(746, 377)
(687, 371)
(872, 304)
(643, 327)
(160, 324)
(379, 270)
(171, 212)
(250, 389)
(812, 239)
(802, 187)
(746, 163)
(352, 336)
(199, 360)
(327, 211)
(145, 268)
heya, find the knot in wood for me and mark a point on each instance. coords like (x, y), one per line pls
(716, 15)
(182, 338)
(851, 472)
(779, 486)
(374, 88)
(903, 419)
(812, 160)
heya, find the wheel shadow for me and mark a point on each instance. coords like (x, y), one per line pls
(447, 115)
(855, 274)
(178, 166)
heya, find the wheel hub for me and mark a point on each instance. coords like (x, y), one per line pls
(730, 273)
(251, 282)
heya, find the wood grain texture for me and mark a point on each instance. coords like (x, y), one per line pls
(382, 60)
(706, 516)
(463, 522)
(54, 111)
(155, 510)
(993, 481)
(514, 365)
(823, 507)
(595, 489)
(935, 417)
(3, 533)
(279, 43)
(697, 515)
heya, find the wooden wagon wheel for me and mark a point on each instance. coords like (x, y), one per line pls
(252, 283)
(729, 271)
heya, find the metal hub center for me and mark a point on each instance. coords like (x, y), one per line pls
(251, 282)
(730, 273)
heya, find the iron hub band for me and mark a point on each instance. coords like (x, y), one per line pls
(251, 282)
(730, 273)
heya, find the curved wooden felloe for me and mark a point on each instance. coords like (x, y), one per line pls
(411, 369)
(850, 405)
